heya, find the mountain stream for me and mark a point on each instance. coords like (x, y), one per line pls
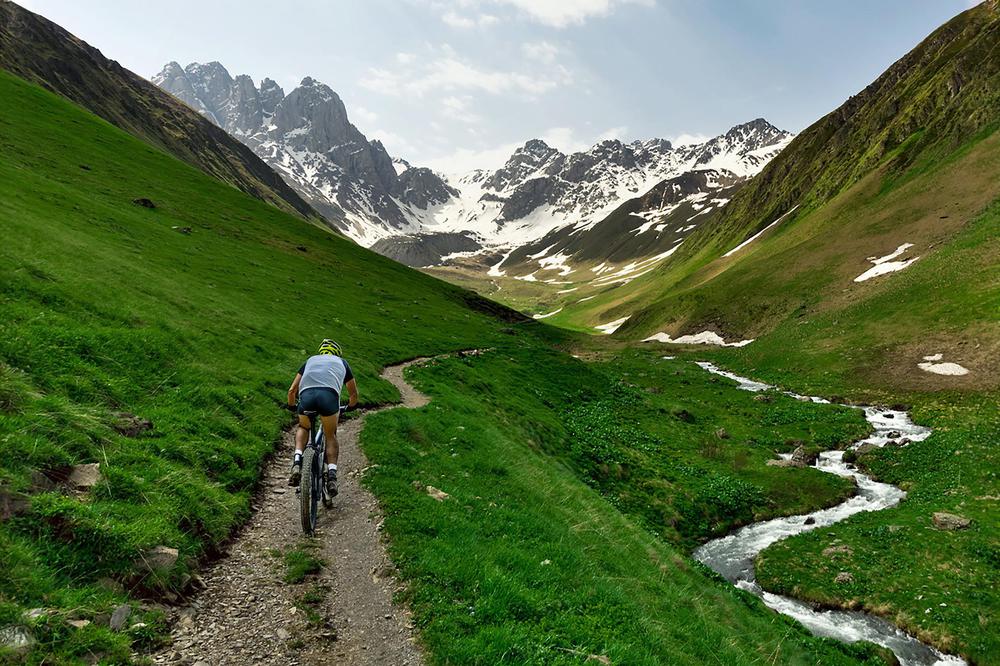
(732, 556)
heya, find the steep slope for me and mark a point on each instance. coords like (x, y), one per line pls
(44, 53)
(191, 314)
(306, 137)
(908, 161)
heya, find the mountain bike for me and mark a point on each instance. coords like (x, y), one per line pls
(312, 488)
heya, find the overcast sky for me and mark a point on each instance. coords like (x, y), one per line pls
(455, 84)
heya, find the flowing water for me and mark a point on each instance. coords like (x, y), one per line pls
(732, 556)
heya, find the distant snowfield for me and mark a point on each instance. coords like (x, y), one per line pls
(547, 315)
(703, 338)
(612, 326)
(759, 233)
(930, 364)
(886, 264)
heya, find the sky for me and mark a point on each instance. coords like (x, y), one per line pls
(459, 84)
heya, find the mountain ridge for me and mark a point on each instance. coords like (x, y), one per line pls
(42, 52)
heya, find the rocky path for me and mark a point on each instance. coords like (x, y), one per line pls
(248, 615)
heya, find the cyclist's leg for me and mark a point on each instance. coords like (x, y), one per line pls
(330, 433)
(301, 434)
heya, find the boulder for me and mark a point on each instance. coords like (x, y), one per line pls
(804, 456)
(843, 578)
(12, 505)
(131, 425)
(120, 617)
(950, 521)
(144, 202)
(894, 434)
(782, 462)
(763, 397)
(84, 477)
(722, 433)
(16, 639)
(809, 521)
(864, 449)
(439, 495)
(160, 558)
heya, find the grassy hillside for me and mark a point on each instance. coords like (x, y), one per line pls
(195, 313)
(42, 52)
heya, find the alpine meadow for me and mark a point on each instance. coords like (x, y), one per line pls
(728, 398)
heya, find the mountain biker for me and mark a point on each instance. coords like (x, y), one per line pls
(317, 387)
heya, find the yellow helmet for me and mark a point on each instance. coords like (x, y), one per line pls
(329, 346)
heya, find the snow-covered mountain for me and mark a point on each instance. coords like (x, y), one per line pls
(307, 138)
(542, 193)
(620, 197)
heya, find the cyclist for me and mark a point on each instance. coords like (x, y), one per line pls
(317, 387)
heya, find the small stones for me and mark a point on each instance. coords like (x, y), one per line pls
(283, 634)
(120, 617)
(843, 578)
(84, 477)
(79, 624)
(842, 549)
(950, 521)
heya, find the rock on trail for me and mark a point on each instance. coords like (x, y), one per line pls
(248, 615)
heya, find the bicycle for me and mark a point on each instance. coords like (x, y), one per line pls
(312, 487)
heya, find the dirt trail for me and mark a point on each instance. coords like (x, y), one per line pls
(248, 615)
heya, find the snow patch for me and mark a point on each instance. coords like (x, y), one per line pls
(758, 234)
(547, 315)
(931, 364)
(886, 264)
(612, 326)
(703, 338)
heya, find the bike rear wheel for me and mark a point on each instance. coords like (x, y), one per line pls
(310, 490)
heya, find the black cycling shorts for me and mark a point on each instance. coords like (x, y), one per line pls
(324, 400)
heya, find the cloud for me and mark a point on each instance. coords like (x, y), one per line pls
(689, 139)
(464, 160)
(364, 115)
(564, 13)
(394, 143)
(457, 108)
(465, 22)
(541, 51)
(566, 139)
(445, 71)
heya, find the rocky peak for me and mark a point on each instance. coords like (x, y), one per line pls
(270, 95)
(313, 117)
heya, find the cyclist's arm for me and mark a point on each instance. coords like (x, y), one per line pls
(352, 390)
(293, 390)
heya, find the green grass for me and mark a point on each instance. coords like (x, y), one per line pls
(107, 307)
(528, 561)
(301, 563)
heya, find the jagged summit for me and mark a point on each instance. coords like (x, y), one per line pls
(308, 138)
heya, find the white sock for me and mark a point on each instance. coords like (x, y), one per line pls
(297, 457)
(331, 467)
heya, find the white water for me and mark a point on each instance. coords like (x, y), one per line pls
(733, 556)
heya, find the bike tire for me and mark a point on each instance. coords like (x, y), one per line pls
(307, 491)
